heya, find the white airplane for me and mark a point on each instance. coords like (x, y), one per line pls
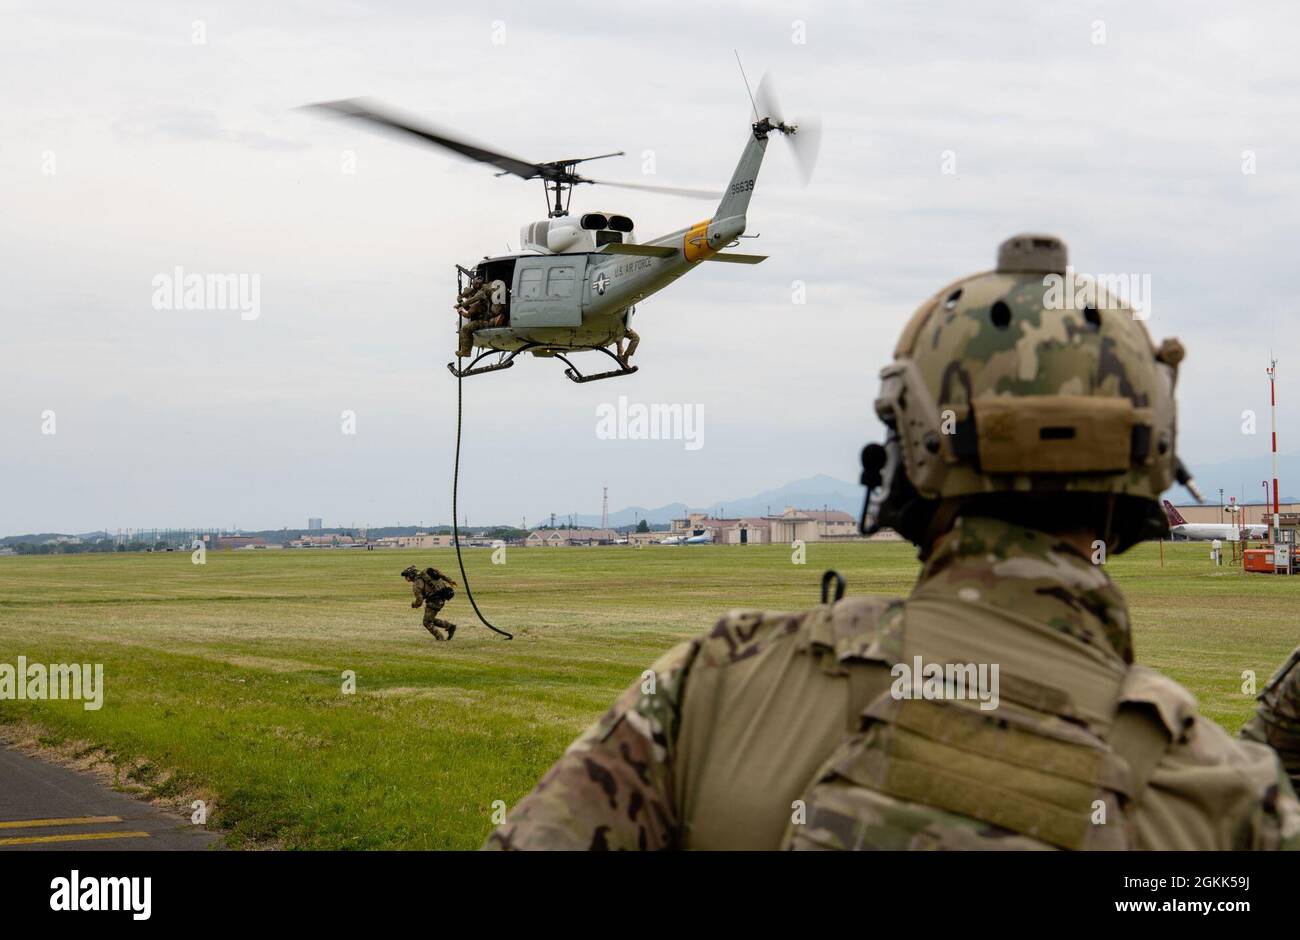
(1205, 531)
(687, 540)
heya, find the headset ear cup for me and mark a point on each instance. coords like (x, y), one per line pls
(874, 458)
(893, 503)
(879, 463)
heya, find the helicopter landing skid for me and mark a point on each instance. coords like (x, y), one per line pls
(508, 360)
(475, 369)
(573, 375)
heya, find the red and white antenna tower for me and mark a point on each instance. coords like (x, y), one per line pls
(1272, 396)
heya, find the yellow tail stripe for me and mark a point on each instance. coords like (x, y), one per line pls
(66, 821)
(695, 244)
(73, 837)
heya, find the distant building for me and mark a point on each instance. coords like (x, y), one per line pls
(834, 524)
(324, 541)
(791, 525)
(418, 540)
(747, 531)
(240, 541)
(314, 525)
(1245, 514)
(561, 538)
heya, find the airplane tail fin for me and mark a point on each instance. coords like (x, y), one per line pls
(1175, 517)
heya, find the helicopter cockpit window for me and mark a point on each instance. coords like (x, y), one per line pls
(530, 284)
(559, 282)
(609, 238)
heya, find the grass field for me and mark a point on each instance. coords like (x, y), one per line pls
(225, 679)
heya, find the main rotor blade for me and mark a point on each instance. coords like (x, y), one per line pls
(561, 164)
(670, 190)
(366, 111)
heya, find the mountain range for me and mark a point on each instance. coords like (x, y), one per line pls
(817, 492)
(1240, 477)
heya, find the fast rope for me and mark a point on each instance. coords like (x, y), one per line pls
(455, 516)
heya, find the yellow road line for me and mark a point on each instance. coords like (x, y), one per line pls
(73, 837)
(66, 821)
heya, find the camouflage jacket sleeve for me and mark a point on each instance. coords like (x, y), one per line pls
(1277, 719)
(613, 788)
(417, 588)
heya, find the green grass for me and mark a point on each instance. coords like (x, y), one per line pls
(228, 675)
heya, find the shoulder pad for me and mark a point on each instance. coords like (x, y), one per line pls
(744, 633)
(849, 629)
(859, 628)
(1174, 704)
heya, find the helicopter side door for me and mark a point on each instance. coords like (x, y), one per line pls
(547, 291)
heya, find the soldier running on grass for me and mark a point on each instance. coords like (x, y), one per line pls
(433, 589)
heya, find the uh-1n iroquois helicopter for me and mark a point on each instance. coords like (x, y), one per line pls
(575, 282)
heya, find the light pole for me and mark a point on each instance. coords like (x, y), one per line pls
(1272, 401)
(1220, 505)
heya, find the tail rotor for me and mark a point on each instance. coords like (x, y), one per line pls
(804, 135)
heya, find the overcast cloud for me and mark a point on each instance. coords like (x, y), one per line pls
(168, 152)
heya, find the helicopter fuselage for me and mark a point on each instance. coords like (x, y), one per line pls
(580, 300)
(560, 300)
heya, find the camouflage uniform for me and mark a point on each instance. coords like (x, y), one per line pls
(633, 341)
(782, 730)
(1277, 722)
(482, 307)
(474, 307)
(497, 316)
(428, 589)
(801, 730)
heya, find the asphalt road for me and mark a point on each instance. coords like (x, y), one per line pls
(47, 807)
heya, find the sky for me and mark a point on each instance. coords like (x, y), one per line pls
(1156, 139)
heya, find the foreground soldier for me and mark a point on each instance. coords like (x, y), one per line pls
(999, 705)
(433, 589)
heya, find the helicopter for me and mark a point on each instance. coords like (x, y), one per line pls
(574, 284)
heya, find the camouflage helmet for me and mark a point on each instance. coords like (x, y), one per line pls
(1027, 387)
(410, 572)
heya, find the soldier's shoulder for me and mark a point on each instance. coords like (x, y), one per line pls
(1242, 780)
(1193, 737)
(847, 628)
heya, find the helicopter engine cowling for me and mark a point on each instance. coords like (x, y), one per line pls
(556, 236)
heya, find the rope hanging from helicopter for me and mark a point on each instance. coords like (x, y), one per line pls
(455, 516)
